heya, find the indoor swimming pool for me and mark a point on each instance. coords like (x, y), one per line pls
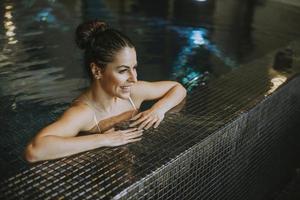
(222, 51)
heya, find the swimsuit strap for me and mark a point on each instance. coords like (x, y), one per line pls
(131, 102)
(96, 122)
(93, 109)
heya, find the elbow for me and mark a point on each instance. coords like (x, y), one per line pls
(32, 153)
(182, 89)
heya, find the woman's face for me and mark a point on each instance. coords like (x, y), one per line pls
(120, 75)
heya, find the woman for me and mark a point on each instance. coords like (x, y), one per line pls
(113, 96)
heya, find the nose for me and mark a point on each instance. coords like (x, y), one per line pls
(132, 76)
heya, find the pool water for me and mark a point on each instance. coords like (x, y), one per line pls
(193, 42)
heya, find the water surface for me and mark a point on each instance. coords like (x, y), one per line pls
(193, 42)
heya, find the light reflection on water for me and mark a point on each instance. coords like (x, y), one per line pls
(40, 63)
(41, 68)
(196, 38)
(34, 57)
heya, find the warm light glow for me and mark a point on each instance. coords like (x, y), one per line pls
(8, 15)
(276, 82)
(9, 25)
(8, 7)
(13, 42)
(10, 34)
(11, 28)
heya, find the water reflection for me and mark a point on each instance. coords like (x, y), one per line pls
(193, 46)
(196, 40)
(32, 68)
(281, 68)
(187, 40)
(9, 24)
(276, 79)
(45, 15)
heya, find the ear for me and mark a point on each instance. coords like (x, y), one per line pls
(96, 71)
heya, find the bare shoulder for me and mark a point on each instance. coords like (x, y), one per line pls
(78, 113)
(75, 119)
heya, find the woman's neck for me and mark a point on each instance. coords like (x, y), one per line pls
(101, 98)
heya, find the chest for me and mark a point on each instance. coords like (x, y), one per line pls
(105, 120)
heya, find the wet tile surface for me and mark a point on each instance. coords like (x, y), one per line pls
(223, 140)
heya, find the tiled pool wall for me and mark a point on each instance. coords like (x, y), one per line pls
(234, 139)
(251, 157)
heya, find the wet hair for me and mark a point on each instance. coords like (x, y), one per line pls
(100, 43)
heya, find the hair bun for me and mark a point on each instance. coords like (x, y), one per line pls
(87, 31)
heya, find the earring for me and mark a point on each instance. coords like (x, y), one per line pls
(97, 77)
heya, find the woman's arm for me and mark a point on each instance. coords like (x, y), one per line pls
(58, 139)
(170, 94)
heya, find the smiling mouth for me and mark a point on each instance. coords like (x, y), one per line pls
(125, 88)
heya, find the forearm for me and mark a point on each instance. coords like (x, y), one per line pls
(172, 98)
(52, 147)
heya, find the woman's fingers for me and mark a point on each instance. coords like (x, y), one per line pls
(131, 133)
(140, 120)
(134, 140)
(134, 135)
(157, 123)
(144, 123)
(150, 124)
(128, 130)
(121, 137)
(137, 116)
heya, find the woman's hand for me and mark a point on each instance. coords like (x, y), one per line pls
(121, 137)
(147, 119)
